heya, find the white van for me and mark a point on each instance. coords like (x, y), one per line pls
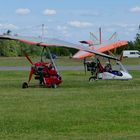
(131, 54)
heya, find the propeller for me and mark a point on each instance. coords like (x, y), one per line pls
(93, 37)
(30, 61)
(113, 36)
(27, 57)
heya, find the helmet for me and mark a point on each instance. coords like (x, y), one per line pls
(107, 62)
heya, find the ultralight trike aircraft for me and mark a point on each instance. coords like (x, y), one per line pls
(107, 72)
(47, 73)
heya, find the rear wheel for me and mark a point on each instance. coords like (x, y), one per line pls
(24, 85)
(54, 86)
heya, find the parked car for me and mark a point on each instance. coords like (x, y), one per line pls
(131, 54)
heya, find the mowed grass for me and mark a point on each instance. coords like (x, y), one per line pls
(77, 110)
(22, 61)
(61, 61)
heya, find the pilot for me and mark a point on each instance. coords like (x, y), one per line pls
(108, 67)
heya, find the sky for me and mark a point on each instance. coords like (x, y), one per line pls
(71, 20)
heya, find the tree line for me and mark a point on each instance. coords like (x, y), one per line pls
(132, 45)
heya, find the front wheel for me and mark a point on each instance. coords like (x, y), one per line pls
(93, 78)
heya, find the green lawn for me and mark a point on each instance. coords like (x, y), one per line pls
(21, 61)
(77, 110)
(132, 61)
(61, 61)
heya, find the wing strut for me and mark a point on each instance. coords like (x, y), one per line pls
(52, 60)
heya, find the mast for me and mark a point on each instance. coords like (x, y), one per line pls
(100, 35)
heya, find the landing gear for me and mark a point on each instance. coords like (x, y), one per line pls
(54, 86)
(25, 85)
(92, 78)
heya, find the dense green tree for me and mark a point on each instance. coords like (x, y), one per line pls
(8, 48)
(31, 50)
(136, 43)
(132, 45)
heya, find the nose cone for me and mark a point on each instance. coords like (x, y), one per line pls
(126, 75)
(129, 76)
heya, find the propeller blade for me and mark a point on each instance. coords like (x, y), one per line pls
(27, 57)
(93, 37)
(113, 36)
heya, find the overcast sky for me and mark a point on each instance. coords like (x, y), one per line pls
(71, 20)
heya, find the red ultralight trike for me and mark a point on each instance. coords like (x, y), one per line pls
(45, 72)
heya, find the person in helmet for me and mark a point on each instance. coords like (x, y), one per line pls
(108, 67)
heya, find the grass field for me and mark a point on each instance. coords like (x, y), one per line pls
(21, 61)
(63, 61)
(77, 110)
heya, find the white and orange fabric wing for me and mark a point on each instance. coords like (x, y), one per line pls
(100, 48)
(53, 42)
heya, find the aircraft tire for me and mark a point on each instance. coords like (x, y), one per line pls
(24, 85)
(54, 86)
(92, 79)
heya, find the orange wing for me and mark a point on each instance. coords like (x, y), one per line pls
(100, 48)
